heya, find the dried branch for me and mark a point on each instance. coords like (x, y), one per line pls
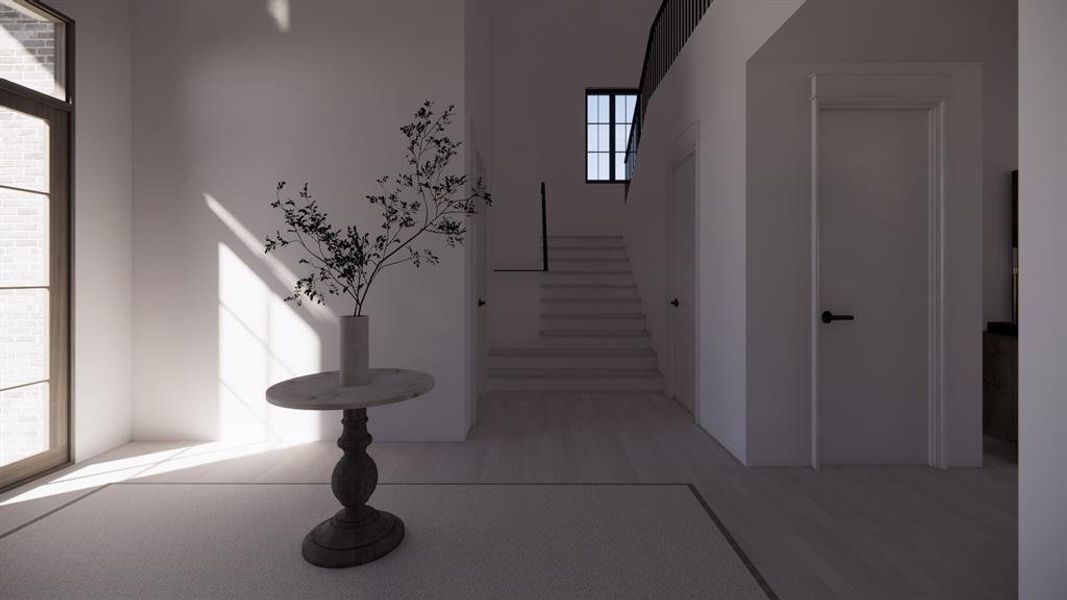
(424, 198)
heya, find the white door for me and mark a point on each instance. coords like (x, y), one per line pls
(476, 231)
(681, 258)
(873, 204)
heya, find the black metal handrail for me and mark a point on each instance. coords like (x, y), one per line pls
(544, 230)
(670, 30)
(544, 240)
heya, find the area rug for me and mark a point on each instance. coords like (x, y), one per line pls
(148, 541)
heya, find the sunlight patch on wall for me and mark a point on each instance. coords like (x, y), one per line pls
(254, 244)
(279, 11)
(262, 341)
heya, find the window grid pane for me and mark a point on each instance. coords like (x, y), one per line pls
(24, 243)
(25, 429)
(26, 146)
(608, 125)
(30, 44)
(23, 336)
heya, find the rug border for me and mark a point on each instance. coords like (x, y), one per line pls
(745, 560)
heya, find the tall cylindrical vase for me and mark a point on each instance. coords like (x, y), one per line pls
(355, 352)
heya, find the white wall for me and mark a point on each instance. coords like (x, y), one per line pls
(706, 84)
(1043, 329)
(837, 35)
(228, 99)
(545, 55)
(102, 225)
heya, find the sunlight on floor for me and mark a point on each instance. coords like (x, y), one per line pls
(146, 460)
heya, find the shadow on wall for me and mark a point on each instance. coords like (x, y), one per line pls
(262, 340)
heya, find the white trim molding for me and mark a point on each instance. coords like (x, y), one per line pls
(925, 92)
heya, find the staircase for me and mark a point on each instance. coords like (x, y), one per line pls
(592, 336)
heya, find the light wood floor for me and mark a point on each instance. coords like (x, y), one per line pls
(851, 533)
(840, 532)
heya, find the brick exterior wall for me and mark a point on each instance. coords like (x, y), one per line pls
(27, 57)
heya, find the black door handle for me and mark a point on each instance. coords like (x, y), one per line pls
(674, 303)
(829, 317)
(481, 302)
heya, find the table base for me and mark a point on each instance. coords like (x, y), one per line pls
(348, 540)
(357, 534)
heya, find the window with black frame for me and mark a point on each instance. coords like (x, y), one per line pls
(609, 116)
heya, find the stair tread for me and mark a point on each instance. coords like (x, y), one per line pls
(595, 352)
(585, 237)
(588, 286)
(578, 272)
(577, 373)
(608, 300)
(595, 333)
(593, 316)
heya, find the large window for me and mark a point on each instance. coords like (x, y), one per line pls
(35, 116)
(609, 115)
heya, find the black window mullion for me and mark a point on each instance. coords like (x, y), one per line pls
(611, 137)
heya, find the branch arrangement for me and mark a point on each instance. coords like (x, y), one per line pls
(424, 199)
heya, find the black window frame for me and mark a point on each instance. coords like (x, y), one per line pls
(613, 93)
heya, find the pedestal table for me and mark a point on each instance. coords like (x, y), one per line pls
(358, 533)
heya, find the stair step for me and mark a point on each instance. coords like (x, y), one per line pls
(585, 237)
(590, 301)
(578, 373)
(580, 286)
(593, 316)
(596, 338)
(560, 351)
(599, 324)
(595, 333)
(600, 271)
(592, 250)
(590, 306)
(573, 358)
(590, 265)
(555, 256)
(585, 241)
(591, 380)
(588, 277)
(551, 292)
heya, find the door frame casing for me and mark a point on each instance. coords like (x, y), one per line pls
(930, 93)
(682, 147)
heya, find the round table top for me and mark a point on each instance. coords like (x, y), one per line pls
(322, 391)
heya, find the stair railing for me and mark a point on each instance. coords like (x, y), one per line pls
(544, 239)
(674, 23)
(544, 230)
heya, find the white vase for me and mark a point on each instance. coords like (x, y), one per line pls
(355, 351)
